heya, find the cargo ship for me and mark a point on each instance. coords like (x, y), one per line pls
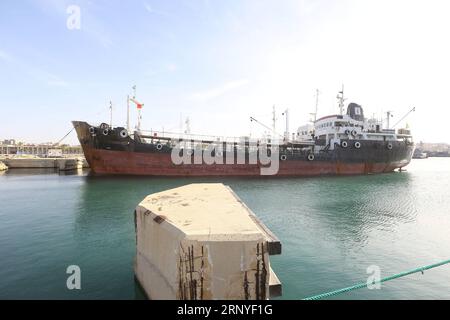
(341, 144)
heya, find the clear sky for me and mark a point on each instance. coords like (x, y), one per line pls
(220, 62)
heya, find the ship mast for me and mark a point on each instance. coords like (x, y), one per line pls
(317, 107)
(274, 121)
(188, 126)
(341, 100)
(286, 134)
(128, 113)
(111, 113)
(128, 107)
(139, 109)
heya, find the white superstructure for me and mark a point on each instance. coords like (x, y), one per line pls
(330, 131)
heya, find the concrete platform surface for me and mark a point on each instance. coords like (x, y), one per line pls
(204, 209)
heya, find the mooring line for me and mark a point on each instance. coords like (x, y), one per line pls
(364, 285)
(65, 136)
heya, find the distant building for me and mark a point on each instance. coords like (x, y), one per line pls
(10, 142)
(54, 153)
(434, 149)
(10, 147)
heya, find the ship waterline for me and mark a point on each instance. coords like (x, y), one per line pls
(132, 163)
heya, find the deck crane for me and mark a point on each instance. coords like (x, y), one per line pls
(411, 111)
(252, 119)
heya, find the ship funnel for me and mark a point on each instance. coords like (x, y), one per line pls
(355, 111)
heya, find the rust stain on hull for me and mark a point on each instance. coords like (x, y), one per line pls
(152, 164)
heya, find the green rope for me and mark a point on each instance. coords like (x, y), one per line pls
(364, 285)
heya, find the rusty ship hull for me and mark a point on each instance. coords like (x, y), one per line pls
(113, 154)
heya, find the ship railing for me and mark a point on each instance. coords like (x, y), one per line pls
(389, 135)
(175, 137)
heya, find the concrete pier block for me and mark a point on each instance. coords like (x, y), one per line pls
(201, 242)
(84, 163)
(69, 164)
(40, 163)
(62, 164)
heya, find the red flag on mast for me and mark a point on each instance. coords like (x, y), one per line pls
(138, 105)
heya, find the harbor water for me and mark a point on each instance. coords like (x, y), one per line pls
(332, 230)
